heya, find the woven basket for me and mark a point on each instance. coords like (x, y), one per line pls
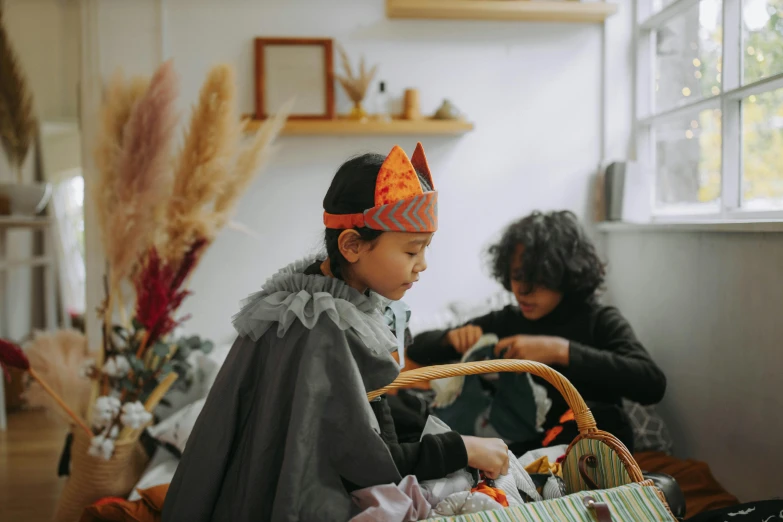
(93, 478)
(596, 461)
(612, 464)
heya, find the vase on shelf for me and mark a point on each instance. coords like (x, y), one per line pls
(358, 112)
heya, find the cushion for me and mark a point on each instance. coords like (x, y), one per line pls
(702, 492)
(175, 430)
(159, 471)
(204, 370)
(649, 429)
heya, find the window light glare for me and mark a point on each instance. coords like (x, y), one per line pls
(694, 124)
(686, 91)
(715, 90)
(689, 134)
(696, 62)
(697, 74)
(751, 50)
(752, 98)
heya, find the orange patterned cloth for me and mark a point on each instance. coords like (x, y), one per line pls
(494, 493)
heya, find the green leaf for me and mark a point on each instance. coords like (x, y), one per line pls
(161, 349)
(135, 363)
(207, 346)
(166, 369)
(182, 352)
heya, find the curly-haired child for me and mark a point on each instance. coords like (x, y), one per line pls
(553, 270)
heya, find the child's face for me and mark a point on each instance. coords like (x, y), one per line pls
(534, 303)
(390, 265)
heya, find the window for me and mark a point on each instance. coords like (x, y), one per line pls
(68, 211)
(710, 106)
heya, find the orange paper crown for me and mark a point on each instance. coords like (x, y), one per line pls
(401, 205)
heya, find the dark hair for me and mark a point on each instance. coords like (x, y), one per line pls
(353, 191)
(558, 255)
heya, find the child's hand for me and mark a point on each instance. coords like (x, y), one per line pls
(487, 455)
(538, 348)
(463, 338)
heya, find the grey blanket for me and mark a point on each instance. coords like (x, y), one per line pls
(287, 420)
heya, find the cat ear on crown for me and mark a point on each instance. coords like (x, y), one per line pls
(397, 179)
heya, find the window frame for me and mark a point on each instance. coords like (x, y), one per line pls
(729, 208)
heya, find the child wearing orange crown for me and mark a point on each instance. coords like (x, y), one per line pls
(287, 431)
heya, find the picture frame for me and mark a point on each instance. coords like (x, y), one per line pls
(300, 67)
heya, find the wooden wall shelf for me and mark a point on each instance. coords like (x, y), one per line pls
(525, 10)
(345, 127)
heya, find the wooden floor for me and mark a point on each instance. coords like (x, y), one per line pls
(29, 454)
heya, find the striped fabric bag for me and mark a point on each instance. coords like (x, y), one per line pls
(603, 481)
(632, 503)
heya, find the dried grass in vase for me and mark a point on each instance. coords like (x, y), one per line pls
(17, 122)
(60, 359)
(355, 86)
(164, 213)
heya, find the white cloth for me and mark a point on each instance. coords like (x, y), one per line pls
(464, 503)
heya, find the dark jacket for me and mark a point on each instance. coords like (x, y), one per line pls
(607, 362)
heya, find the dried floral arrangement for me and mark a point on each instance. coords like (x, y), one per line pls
(17, 122)
(355, 86)
(158, 215)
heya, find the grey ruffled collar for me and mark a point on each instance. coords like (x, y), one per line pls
(290, 295)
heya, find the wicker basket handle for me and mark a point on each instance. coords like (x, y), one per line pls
(584, 418)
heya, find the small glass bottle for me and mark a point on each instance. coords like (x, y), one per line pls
(382, 112)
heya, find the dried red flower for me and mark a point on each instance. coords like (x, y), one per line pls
(12, 356)
(158, 293)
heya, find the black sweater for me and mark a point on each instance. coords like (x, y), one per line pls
(606, 364)
(434, 457)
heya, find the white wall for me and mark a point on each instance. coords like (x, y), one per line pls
(532, 90)
(45, 34)
(708, 307)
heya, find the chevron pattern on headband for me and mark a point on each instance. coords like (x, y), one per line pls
(414, 214)
(401, 205)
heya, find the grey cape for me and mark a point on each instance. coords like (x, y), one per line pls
(287, 420)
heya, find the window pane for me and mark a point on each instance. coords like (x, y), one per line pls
(688, 53)
(762, 151)
(688, 158)
(762, 39)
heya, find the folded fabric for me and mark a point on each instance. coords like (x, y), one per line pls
(553, 453)
(176, 429)
(542, 465)
(554, 488)
(465, 503)
(447, 390)
(437, 490)
(496, 494)
(159, 471)
(147, 509)
(517, 480)
(404, 502)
